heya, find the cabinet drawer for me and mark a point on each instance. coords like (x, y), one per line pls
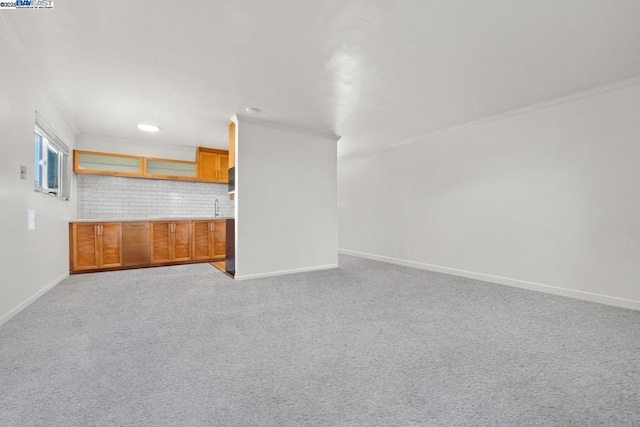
(136, 225)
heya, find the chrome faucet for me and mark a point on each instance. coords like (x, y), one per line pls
(216, 209)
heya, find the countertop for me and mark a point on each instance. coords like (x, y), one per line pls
(171, 218)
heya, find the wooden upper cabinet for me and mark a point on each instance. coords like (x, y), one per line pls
(232, 144)
(213, 165)
(96, 245)
(96, 163)
(169, 169)
(207, 166)
(223, 166)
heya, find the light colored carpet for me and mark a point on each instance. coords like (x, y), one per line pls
(366, 344)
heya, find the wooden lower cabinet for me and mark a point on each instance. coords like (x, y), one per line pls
(170, 241)
(84, 247)
(160, 242)
(136, 243)
(181, 241)
(208, 239)
(219, 238)
(201, 240)
(95, 246)
(110, 245)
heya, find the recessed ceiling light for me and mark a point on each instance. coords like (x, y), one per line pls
(148, 127)
(252, 110)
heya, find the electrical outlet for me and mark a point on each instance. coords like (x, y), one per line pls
(23, 172)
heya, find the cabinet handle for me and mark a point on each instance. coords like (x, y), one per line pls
(210, 227)
(99, 230)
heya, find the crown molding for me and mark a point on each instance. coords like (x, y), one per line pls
(500, 116)
(239, 118)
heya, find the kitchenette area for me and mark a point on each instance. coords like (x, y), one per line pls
(136, 211)
(264, 206)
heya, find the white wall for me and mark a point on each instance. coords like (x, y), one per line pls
(286, 201)
(135, 148)
(30, 261)
(546, 199)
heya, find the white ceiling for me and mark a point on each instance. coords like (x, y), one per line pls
(372, 71)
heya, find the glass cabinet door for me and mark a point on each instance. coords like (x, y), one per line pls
(171, 168)
(108, 163)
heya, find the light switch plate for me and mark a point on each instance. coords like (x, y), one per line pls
(31, 218)
(23, 172)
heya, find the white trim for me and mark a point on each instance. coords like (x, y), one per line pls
(239, 118)
(523, 284)
(48, 131)
(530, 108)
(51, 139)
(283, 272)
(31, 299)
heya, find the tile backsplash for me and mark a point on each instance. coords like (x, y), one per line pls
(117, 197)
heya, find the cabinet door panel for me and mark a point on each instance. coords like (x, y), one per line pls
(136, 243)
(111, 245)
(170, 168)
(160, 242)
(223, 167)
(207, 163)
(116, 164)
(85, 247)
(201, 240)
(182, 241)
(219, 238)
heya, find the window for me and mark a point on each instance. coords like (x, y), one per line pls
(52, 171)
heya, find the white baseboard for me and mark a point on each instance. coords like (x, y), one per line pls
(532, 286)
(283, 272)
(31, 299)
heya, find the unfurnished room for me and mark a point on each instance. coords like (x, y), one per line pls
(320, 213)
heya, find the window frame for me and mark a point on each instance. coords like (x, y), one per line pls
(49, 138)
